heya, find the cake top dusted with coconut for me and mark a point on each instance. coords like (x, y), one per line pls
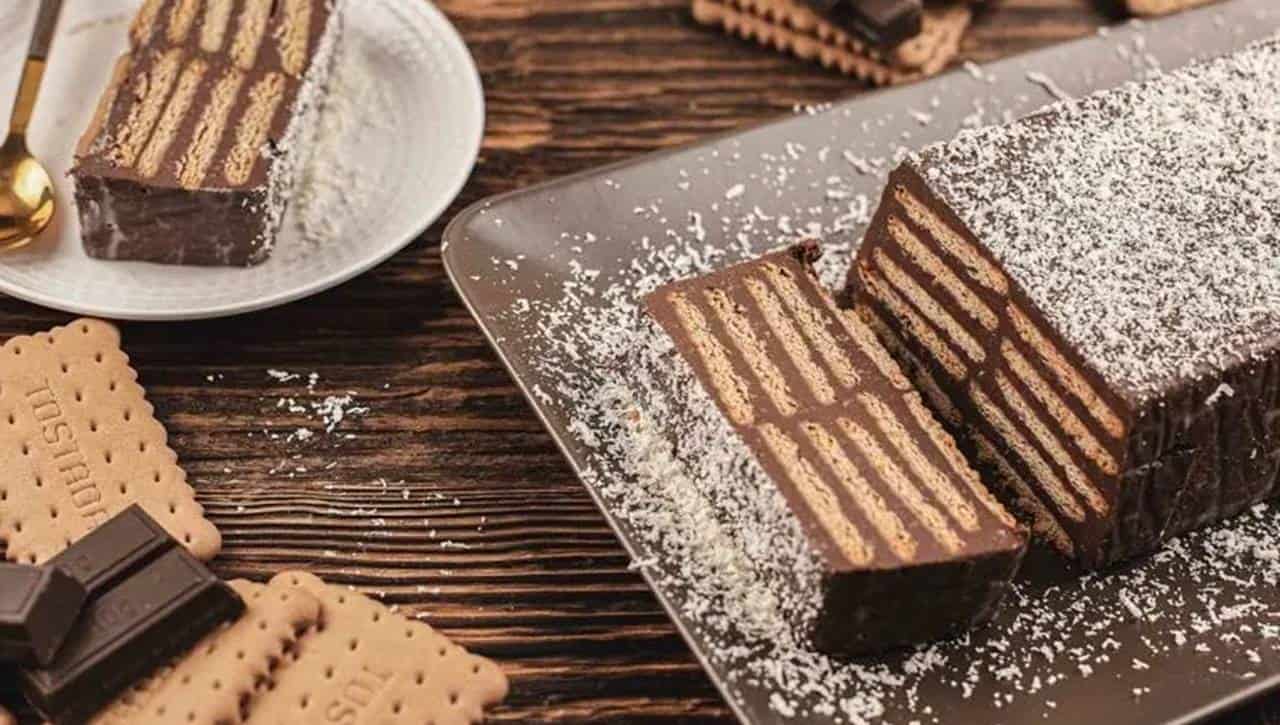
(1143, 222)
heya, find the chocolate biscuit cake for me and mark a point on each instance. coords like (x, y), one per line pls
(1093, 295)
(191, 155)
(897, 518)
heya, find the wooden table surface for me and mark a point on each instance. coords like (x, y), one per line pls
(446, 497)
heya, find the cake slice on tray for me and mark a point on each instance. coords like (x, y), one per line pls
(1094, 292)
(192, 153)
(894, 513)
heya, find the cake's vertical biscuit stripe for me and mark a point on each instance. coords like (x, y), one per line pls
(144, 23)
(1067, 375)
(821, 500)
(292, 35)
(926, 513)
(731, 390)
(748, 344)
(920, 374)
(959, 466)
(213, 31)
(783, 328)
(1050, 443)
(194, 165)
(251, 135)
(919, 329)
(251, 27)
(872, 504)
(865, 339)
(1057, 407)
(1039, 467)
(182, 17)
(978, 266)
(152, 91)
(932, 264)
(928, 306)
(935, 481)
(90, 140)
(1043, 522)
(171, 120)
(813, 325)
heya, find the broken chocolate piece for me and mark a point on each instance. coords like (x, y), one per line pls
(152, 600)
(190, 158)
(113, 550)
(884, 23)
(38, 606)
(1108, 328)
(886, 499)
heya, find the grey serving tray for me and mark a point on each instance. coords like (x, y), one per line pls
(1223, 619)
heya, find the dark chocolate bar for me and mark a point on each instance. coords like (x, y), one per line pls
(885, 23)
(191, 156)
(141, 623)
(1095, 290)
(114, 550)
(38, 606)
(894, 513)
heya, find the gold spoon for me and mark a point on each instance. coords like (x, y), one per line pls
(26, 191)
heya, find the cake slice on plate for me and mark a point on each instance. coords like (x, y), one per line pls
(192, 153)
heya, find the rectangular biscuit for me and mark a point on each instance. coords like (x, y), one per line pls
(79, 443)
(793, 27)
(213, 682)
(367, 664)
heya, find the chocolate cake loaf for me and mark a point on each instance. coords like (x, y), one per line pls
(190, 157)
(1093, 295)
(897, 517)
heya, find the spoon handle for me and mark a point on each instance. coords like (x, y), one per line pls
(33, 68)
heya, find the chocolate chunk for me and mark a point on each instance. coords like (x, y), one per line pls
(146, 619)
(38, 606)
(192, 153)
(114, 549)
(1116, 353)
(151, 600)
(885, 23)
(890, 507)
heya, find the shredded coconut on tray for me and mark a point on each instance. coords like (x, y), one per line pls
(715, 538)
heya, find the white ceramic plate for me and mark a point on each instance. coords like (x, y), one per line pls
(387, 171)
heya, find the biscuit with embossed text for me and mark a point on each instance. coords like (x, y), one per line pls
(79, 443)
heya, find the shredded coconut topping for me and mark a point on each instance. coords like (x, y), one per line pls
(1144, 222)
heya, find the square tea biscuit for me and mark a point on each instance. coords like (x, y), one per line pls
(366, 664)
(79, 443)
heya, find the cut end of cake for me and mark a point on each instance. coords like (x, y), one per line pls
(876, 483)
(189, 156)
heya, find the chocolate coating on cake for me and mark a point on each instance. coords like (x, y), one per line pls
(882, 492)
(189, 157)
(1117, 261)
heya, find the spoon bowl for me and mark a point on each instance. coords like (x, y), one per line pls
(26, 194)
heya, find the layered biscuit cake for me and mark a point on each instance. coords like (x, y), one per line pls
(1092, 296)
(893, 511)
(190, 156)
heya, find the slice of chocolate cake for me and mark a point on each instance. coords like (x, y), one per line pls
(190, 157)
(1094, 292)
(893, 510)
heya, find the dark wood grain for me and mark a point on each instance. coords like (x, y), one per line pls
(448, 443)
